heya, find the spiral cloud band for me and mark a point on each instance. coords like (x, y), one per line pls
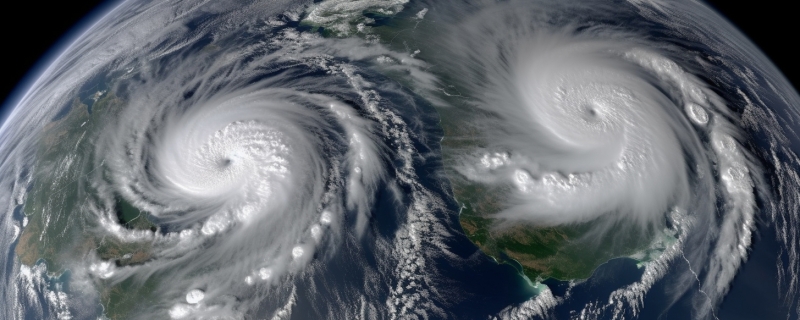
(595, 127)
(449, 159)
(236, 175)
(584, 136)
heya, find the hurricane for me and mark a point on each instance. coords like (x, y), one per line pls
(458, 159)
(589, 124)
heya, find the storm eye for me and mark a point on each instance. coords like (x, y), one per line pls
(590, 112)
(225, 162)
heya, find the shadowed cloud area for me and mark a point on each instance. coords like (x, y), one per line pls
(457, 159)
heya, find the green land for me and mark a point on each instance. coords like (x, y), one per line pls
(60, 229)
(563, 252)
(61, 232)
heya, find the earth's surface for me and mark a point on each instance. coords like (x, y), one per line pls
(401, 159)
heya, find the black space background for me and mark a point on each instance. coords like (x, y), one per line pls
(31, 28)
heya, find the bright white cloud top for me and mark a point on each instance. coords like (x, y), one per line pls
(400, 160)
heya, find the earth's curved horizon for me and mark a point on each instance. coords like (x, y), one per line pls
(403, 159)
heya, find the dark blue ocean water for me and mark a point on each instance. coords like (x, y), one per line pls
(471, 285)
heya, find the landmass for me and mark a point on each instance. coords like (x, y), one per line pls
(59, 227)
(539, 253)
